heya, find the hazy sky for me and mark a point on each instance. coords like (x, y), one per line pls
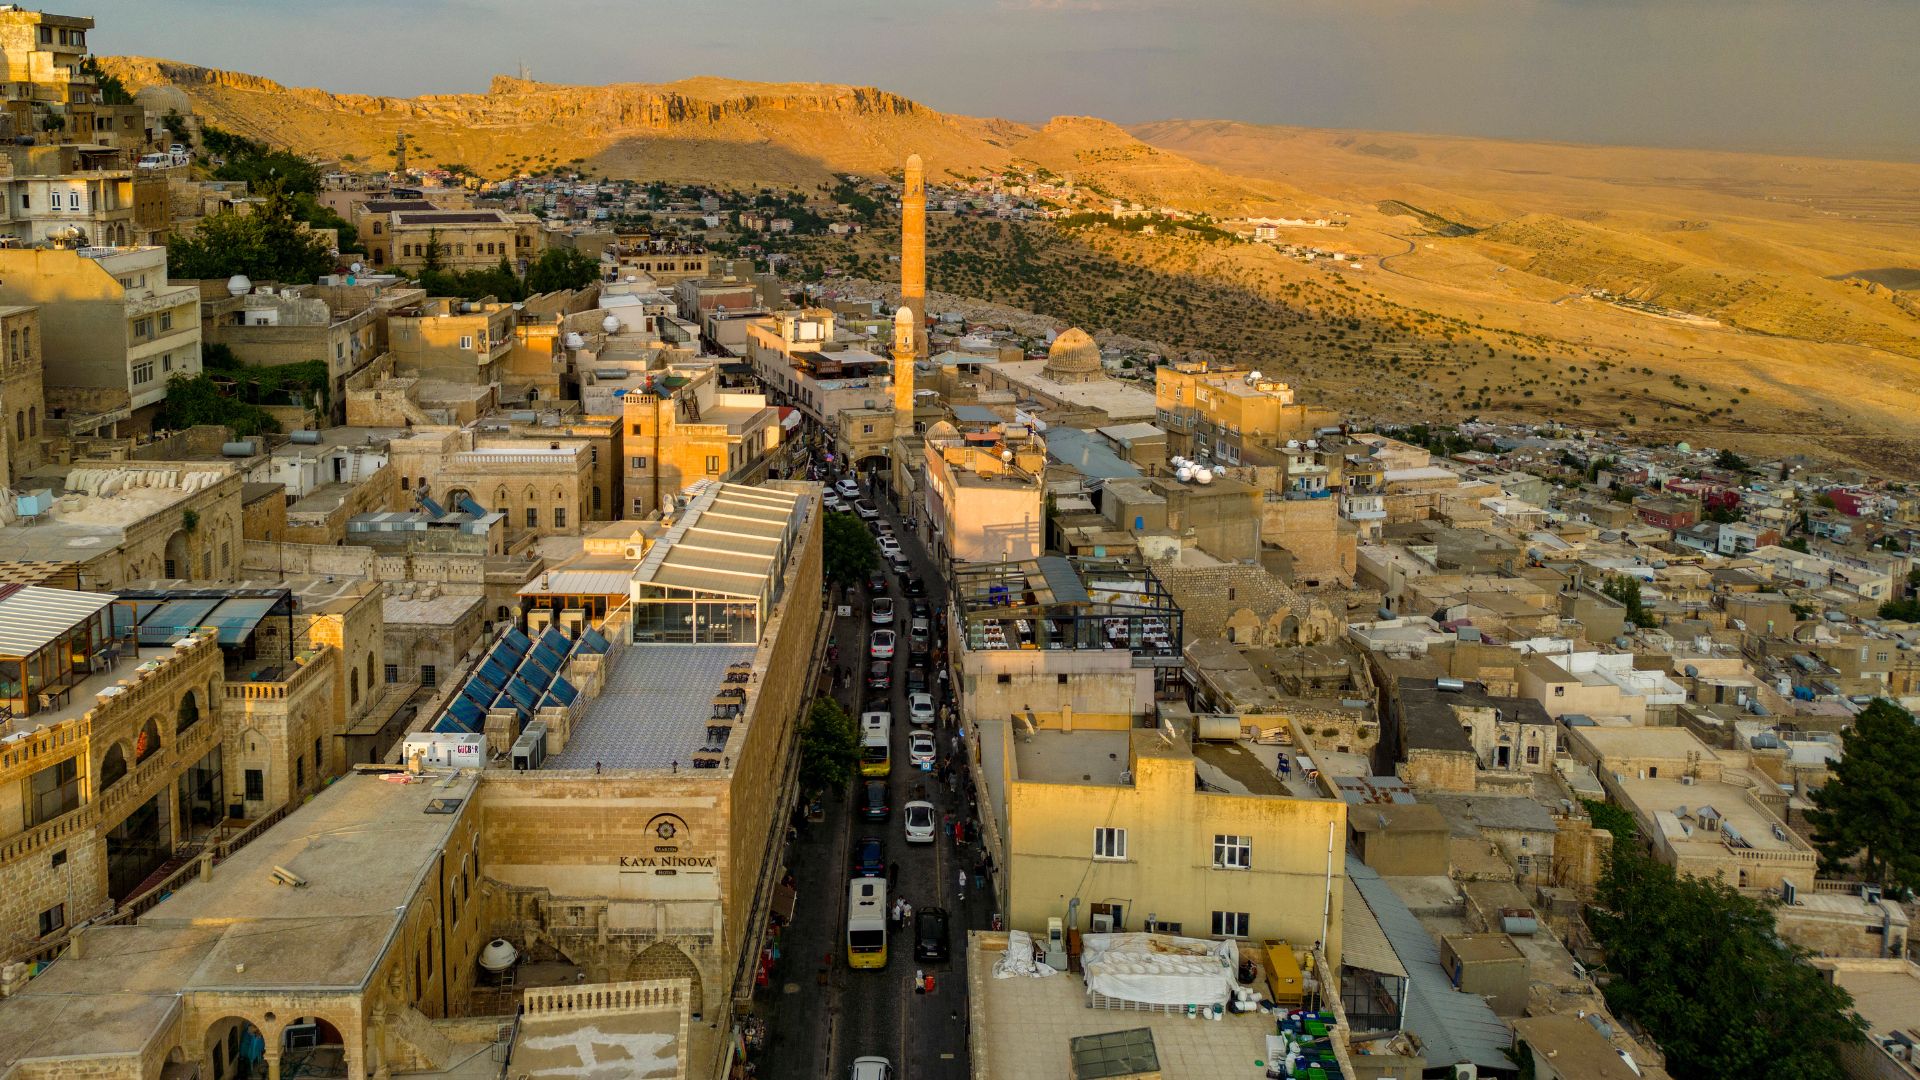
(1817, 76)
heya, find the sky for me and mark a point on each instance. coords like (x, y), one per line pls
(1827, 77)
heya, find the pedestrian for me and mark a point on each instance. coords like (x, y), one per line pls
(956, 742)
(963, 883)
(979, 877)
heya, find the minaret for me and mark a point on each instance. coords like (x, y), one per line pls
(913, 250)
(904, 352)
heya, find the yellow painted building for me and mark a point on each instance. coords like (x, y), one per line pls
(1237, 417)
(682, 427)
(1111, 817)
(46, 93)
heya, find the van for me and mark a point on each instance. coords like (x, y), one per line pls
(155, 161)
(876, 755)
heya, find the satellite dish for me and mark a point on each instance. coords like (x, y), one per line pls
(355, 268)
(1293, 444)
(611, 324)
(1185, 474)
(575, 341)
(1313, 444)
(1253, 376)
(1006, 455)
(1203, 476)
(238, 285)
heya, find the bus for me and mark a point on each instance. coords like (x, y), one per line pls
(876, 754)
(867, 923)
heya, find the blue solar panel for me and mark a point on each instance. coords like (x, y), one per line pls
(494, 673)
(592, 641)
(464, 715)
(514, 642)
(468, 506)
(535, 668)
(478, 693)
(552, 649)
(432, 507)
(563, 690)
(523, 694)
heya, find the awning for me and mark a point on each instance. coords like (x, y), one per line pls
(31, 618)
(236, 619)
(175, 619)
(1363, 945)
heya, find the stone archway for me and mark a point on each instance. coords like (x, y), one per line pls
(664, 960)
(113, 767)
(189, 713)
(177, 565)
(233, 1044)
(147, 743)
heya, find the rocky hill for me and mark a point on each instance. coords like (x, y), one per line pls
(711, 130)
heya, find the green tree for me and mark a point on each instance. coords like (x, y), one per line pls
(850, 551)
(267, 244)
(829, 748)
(197, 399)
(264, 168)
(1697, 964)
(562, 268)
(112, 90)
(1867, 815)
(1727, 459)
(1901, 610)
(1626, 589)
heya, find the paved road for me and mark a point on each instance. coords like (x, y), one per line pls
(821, 1015)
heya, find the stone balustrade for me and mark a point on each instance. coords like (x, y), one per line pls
(606, 998)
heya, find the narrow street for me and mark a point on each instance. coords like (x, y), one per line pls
(821, 1015)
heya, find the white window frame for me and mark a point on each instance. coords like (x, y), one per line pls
(466, 341)
(1110, 844)
(1232, 852)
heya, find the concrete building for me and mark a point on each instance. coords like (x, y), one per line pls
(344, 326)
(113, 330)
(451, 340)
(23, 401)
(681, 426)
(1070, 386)
(1234, 417)
(543, 487)
(1441, 734)
(47, 94)
(984, 496)
(398, 234)
(80, 195)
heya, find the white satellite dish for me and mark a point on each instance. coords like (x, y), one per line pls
(1185, 474)
(1203, 476)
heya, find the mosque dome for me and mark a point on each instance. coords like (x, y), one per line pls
(1073, 357)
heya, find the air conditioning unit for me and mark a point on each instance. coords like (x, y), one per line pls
(301, 1036)
(530, 749)
(1102, 923)
(538, 619)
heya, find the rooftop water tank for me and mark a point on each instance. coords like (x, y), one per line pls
(499, 955)
(236, 449)
(575, 341)
(1184, 474)
(1203, 476)
(611, 324)
(306, 437)
(238, 285)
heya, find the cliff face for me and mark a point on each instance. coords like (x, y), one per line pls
(697, 130)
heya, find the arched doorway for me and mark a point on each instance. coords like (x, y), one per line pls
(664, 960)
(189, 713)
(147, 743)
(233, 1047)
(176, 560)
(312, 1046)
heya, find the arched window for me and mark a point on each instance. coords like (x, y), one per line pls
(189, 713)
(147, 743)
(370, 682)
(353, 686)
(19, 425)
(112, 768)
(33, 420)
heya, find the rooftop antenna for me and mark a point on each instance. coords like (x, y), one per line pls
(526, 73)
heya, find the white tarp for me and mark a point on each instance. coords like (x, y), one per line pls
(1018, 959)
(1159, 969)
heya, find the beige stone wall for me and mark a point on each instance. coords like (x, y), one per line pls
(23, 403)
(1438, 770)
(379, 491)
(1309, 530)
(210, 551)
(265, 519)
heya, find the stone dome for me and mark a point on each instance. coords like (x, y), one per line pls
(1073, 357)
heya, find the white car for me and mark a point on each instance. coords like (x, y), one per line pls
(920, 750)
(848, 488)
(882, 613)
(871, 1068)
(880, 645)
(865, 511)
(920, 708)
(835, 502)
(919, 819)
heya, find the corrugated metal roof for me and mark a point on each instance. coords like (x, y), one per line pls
(1088, 453)
(31, 618)
(1063, 581)
(1455, 1026)
(1363, 944)
(581, 583)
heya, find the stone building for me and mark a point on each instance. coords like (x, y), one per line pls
(680, 427)
(23, 402)
(1246, 605)
(984, 496)
(113, 330)
(543, 488)
(1070, 387)
(47, 93)
(1233, 417)
(126, 521)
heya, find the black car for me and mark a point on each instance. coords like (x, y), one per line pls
(930, 934)
(873, 802)
(877, 583)
(880, 675)
(916, 680)
(916, 587)
(920, 609)
(870, 857)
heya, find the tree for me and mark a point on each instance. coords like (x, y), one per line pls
(1626, 589)
(1901, 610)
(112, 90)
(1698, 965)
(851, 553)
(195, 399)
(829, 748)
(1867, 815)
(267, 244)
(1731, 461)
(562, 268)
(262, 168)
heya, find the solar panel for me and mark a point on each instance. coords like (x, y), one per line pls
(523, 694)
(493, 674)
(552, 649)
(462, 715)
(432, 507)
(515, 642)
(563, 690)
(468, 506)
(592, 641)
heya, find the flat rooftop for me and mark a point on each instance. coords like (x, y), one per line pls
(654, 709)
(1120, 401)
(364, 845)
(1023, 1027)
(1621, 743)
(1658, 800)
(1072, 757)
(1886, 993)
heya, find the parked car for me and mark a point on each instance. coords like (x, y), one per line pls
(873, 805)
(920, 635)
(835, 503)
(877, 583)
(881, 611)
(880, 645)
(848, 487)
(870, 857)
(919, 821)
(931, 940)
(916, 587)
(880, 675)
(866, 511)
(920, 708)
(917, 680)
(920, 749)
(871, 1068)
(919, 608)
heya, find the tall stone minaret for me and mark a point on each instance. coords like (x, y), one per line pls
(913, 250)
(904, 352)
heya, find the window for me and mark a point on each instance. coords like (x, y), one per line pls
(1004, 679)
(713, 463)
(52, 919)
(1232, 852)
(166, 361)
(316, 757)
(393, 673)
(143, 328)
(636, 429)
(866, 429)
(256, 785)
(1109, 843)
(593, 454)
(1559, 691)
(1060, 679)
(596, 498)
(559, 517)
(639, 507)
(1155, 926)
(1229, 924)
(1533, 755)
(166, 320)
(143, 372)
(639, 463)
(54, 200)
(428, 677)
(60, 858)
(299, 772)
(466, 341)
(533, 517)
